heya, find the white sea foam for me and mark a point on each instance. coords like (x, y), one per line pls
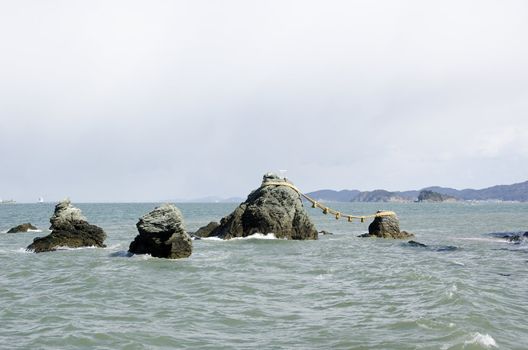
(78, 248)
(37, 230)
(484, 340)
(451, 291)
(211, 239)
(483, 239)
(23, 250)
(253, 236)
(258, 236)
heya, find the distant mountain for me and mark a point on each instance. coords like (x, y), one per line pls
(334, 196)
(515, 192)
(379, 196)
(210, 199)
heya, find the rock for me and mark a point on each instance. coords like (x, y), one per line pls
(276, 209)
(436, 248)
(205, 231)
(162, 234)
(430, 196)
(69, 229)
(416, 244)
(22, 228)
(386, 227)
(518, 238)
(323, 232)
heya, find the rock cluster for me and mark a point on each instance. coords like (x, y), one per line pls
(162, 234)
(69, 229)
(22, 228)
(276, 209)
(386, 227)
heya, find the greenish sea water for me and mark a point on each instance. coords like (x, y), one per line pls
(340, 292)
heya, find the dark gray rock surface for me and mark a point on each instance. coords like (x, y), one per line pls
(205, 231)
(22, 228)
(273, 209)
(69, 229)
(162, 234)
(386, 227)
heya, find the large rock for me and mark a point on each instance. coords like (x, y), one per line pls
(386, 227)
(276, 209)
(22, 228)
(162, 234)
(69, 229)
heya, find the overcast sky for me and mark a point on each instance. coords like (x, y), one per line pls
(152, 100)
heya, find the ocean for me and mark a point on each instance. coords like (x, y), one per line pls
(467, 290)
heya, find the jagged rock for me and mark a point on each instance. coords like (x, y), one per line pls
(69, 229)
(162, 234)
(276, 209)
(22, 228)
(205, 231)
(386, 227)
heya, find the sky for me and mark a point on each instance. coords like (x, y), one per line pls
(130, 100)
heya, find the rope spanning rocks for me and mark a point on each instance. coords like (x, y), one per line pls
(162, 234)
(326, 210)
(69, 229)
(275, 207)
(386, 227)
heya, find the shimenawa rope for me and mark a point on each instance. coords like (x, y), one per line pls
(327, 210)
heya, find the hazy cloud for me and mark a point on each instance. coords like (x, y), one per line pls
(150, 100)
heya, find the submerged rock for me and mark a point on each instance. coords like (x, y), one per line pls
(519, 238)
(436, 248)
(386, 227)
(513, 237)
(22, 228)
(272, 208)
(162, 234)
(324, 233)
(69, 229)
(416, 244)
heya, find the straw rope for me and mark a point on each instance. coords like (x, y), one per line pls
(326, 210)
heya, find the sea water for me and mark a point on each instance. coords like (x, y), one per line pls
(466, 290)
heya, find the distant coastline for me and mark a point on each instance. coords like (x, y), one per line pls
(501, 193)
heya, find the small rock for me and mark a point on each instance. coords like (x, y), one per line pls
(22, 228)
(162, 234)
(70, 229)
(416, 244)
(323, 232)
(386, 227)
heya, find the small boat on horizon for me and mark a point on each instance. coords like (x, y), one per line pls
(7, 201)
(40, 200)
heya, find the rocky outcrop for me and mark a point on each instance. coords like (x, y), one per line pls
(271, 208)
(204, 232)
(22, 228)
(430, 196)
(162, 234)
(69, 229)
(386, 227)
